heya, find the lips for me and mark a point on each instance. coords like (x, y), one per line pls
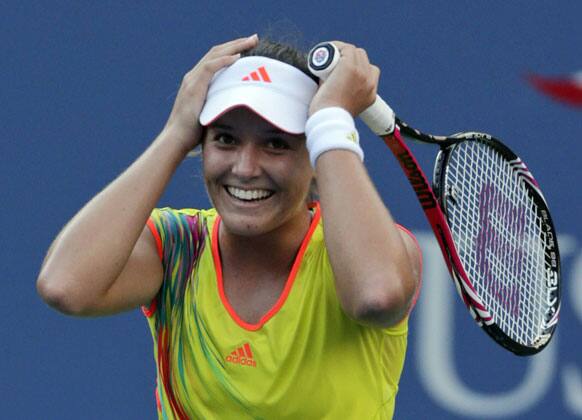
(245, 194)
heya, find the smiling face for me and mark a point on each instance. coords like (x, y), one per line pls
(257, 177)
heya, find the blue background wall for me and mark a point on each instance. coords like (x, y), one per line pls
(85, 86)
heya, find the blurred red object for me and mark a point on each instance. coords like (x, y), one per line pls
(567, 89)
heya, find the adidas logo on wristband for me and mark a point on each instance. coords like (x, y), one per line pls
(331, 129)
(353, 137)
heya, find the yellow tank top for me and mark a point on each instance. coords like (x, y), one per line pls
(305, 359)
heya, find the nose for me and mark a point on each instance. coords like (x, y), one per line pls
(247, 162)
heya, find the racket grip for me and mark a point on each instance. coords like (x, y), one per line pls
(379, 117)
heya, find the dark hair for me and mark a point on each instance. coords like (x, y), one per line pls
(283, 52)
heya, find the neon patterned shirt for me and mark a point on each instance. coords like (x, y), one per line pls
(305, 359)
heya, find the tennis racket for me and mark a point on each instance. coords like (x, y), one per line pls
(490, 219)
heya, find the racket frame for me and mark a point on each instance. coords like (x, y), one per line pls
(431, 197)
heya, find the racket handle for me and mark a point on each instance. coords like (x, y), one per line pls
(379, 117)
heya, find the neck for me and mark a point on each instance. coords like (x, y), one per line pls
(276, 249)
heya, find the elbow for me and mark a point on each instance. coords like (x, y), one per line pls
(378, 312)
(59, 297)
(382, 308)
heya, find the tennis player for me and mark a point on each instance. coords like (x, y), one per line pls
(268, 305)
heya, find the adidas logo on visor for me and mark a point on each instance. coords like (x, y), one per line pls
(260, 75)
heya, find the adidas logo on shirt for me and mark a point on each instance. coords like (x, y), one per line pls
(242, 356)
(260, 75)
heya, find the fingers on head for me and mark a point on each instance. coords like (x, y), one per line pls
(224, 55)
(234, 47)
(210, 66)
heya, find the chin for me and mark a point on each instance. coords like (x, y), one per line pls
(245, 226)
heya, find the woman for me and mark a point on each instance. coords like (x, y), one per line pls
(267, 305)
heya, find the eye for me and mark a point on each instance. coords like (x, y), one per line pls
(277, 143)
(224, 139)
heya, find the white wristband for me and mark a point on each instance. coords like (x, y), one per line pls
(331, 129)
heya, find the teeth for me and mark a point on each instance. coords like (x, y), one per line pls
(248, 195)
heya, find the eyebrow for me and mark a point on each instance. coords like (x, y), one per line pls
(221, 126)
(273, 130)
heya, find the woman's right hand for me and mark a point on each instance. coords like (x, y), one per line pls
(183, 121)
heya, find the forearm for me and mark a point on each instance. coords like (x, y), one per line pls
(93, 248)
(99, 263)
(373, 271)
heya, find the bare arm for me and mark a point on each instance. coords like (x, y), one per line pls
(104, 261)
(89, 263)
(376, 265)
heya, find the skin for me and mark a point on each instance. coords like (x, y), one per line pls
(376, 266)
(244, 151)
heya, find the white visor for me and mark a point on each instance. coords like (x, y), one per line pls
(276, 91)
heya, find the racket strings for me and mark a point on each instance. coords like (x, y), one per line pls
(499, 237)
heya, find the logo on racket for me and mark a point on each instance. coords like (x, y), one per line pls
(320, 56)
(500, 242)
(418, 181)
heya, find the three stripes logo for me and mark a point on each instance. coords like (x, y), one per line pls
(260, 75)
(242, 356)
(353, 137)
